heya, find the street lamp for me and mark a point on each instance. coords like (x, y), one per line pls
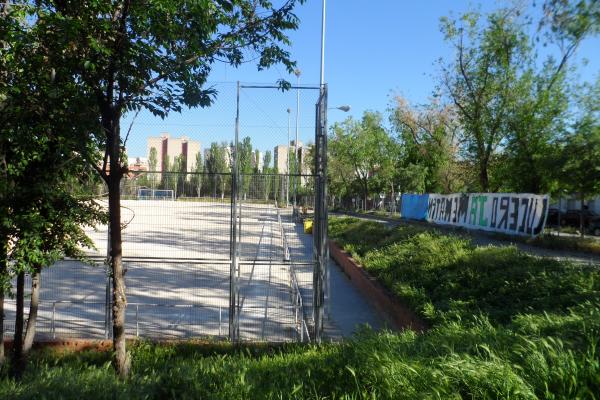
(344, 108)
(297, 72)
(287, 149)
(322, 80)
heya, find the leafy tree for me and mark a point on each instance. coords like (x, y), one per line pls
(267, 160)
(153, 159)
(365, 148)
(413, 178)
(41, 160)
(537, 111)
(307, 166)
(580, 154)
(153, 165)
(510, 109)
(295, 181)
(479, 82)
(216, 166)
(339, 178)
(155, 55)
(257, 161)
(245, 164)
(197, 177)
(165, 176)
(267, 181)
(570, 22)
(178, 175)
(428, 136)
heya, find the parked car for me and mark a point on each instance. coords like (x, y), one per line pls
(552, 217)
(572, 218)
(594, 227)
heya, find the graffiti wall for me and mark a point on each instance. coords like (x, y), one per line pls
(509, 213)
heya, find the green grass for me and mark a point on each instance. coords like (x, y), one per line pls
(503, 325)
(455, 285)
(545, 357)
(446, 274)
(548, 240)
(589, 245)
(578, 244)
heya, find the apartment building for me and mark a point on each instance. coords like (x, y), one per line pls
(280, 158)
(169, 148)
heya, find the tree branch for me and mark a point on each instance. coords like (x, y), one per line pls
(217, 45)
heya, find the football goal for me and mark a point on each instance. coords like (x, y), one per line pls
(156, 194)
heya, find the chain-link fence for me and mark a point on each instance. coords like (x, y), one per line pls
(213, 240)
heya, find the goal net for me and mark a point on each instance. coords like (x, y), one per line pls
(156, 194)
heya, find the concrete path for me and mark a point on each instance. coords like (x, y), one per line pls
(348, 309)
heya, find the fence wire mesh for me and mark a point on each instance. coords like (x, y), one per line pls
(189, 273)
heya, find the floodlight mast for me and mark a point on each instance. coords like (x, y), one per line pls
(297, 167)
(322, 81)
(320, 273)
(287, 149)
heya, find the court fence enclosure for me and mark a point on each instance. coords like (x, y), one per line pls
(212, 253)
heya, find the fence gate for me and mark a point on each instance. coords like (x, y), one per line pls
(275, 264)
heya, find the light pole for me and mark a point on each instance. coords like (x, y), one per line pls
(321, 272)
(287, 149)
(297, 166)
(322, 81)
(344, 108)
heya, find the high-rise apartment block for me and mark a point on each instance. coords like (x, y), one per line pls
(280, 158)
(168, 148)
(281, 154)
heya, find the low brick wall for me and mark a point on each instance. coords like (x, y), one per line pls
(398, 315)
(66, 344)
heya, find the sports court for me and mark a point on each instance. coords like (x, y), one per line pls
(177, 255)
(215, 253)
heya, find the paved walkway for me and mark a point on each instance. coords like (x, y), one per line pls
(348, 309)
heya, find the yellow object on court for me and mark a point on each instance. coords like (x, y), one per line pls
(308, 224)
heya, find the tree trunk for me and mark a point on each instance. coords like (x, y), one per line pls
(366, 194)
(484, 181)
(393, 201)
(3, 275)
(33, 311)
(582, 218)
(121, 358)
(17, 359)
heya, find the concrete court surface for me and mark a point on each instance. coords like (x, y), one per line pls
(177, 260)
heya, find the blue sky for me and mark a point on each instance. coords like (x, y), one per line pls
(373, 50)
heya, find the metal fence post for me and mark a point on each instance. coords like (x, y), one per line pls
(137, 320)
(234, 225)
(53, 321)
(107, 301)
(320, 220)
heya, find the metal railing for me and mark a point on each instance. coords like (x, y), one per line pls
(296, 295)
(56, 320)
